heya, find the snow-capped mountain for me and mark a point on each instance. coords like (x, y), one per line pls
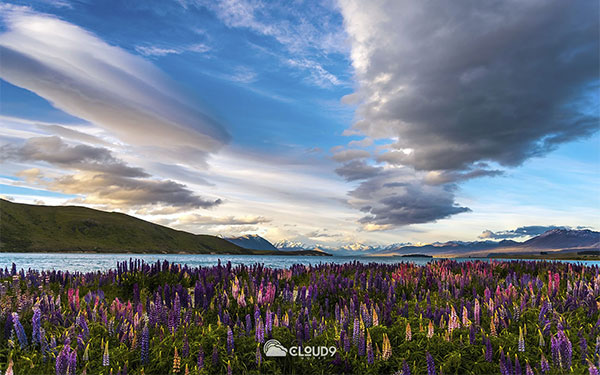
(555, 239)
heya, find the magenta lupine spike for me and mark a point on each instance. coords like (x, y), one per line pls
(592, 370)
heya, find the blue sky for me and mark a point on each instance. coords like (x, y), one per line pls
(322, 122)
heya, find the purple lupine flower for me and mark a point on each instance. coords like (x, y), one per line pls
(62, 361)
(593, 370)
(370, 356)
(405, 368)
(504, 369)
(361, 342)
(430, 364)
(258, 355)
(346, 343)
(145, 344)
(230, 344)
(472, 334)
(200, 358)
(355, 332)
(566, 350)
(545, 366)
(528, 369)
(72, 364)
(248, 324)
(19, 330)
(185, 349)
(517, 366)
(555, 349)
(260, 331)
(215, 356)
(488, 350)
(583, 347)
(307, 331)
(36, 326)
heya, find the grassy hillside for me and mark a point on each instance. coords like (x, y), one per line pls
(30, 228)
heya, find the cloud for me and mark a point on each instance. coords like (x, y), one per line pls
(444, 177)
(397, 197)
(357, 170)
(456, 87)
(103, 84)
(347, 155)
(125, 193)
(318, 75)
(55, 151)
(163, 51)
(461, 83)
(102, 178)
(528, 231)
(225, 220)
(308, 31)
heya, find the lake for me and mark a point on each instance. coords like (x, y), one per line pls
(100, 262)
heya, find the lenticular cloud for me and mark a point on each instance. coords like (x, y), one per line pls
(103, 84)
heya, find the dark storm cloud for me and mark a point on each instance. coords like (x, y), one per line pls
(396, 198)
(528, 231)
(483, 80)
(456, 85)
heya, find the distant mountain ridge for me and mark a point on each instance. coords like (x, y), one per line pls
(253, 242)
(554, 239)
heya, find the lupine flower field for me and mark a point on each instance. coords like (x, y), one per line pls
(447, 317)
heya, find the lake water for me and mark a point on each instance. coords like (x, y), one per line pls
(100, 262)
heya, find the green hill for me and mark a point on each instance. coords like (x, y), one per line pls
(29, 228)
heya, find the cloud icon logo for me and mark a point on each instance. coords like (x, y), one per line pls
(273, 348)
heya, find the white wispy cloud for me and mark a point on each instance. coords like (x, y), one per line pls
(153, 50)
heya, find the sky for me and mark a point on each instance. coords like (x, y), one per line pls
(322, 122)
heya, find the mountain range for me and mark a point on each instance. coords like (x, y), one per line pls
(31, 228)
(552, 240)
